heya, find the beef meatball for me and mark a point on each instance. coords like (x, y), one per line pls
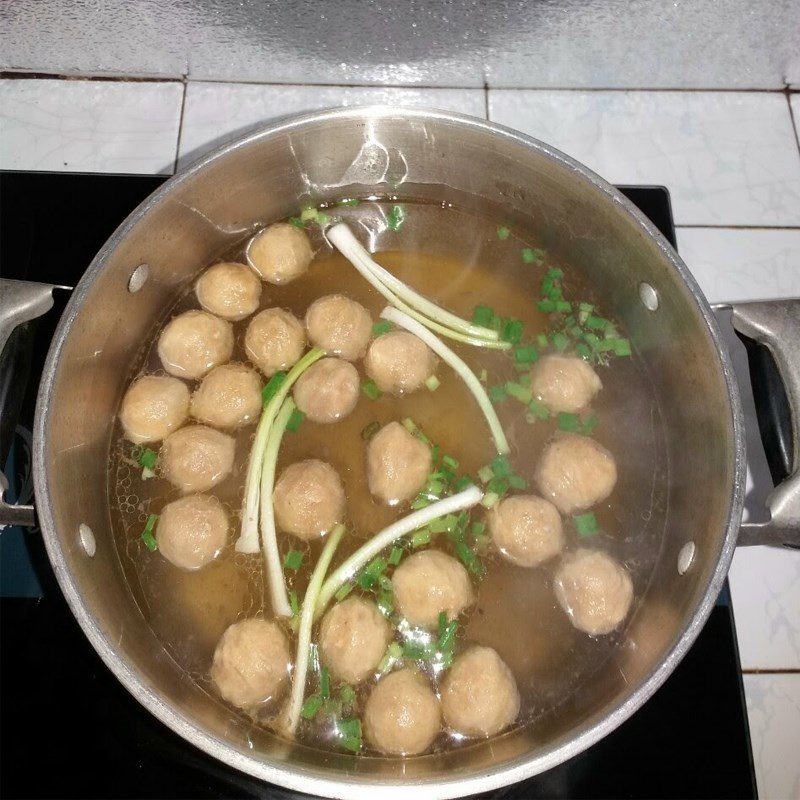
(595, 590)
(398, 464)
(251, 662)
(274, 340)
(192, 531)
(328, 390)
(193, 343)
(526, 529)
(353, 638)
(153, 407)
(228, 397)
(479, 694)
(309, 499)
(399, 362)
(428, 583)
(229, 290)
(196, 457)
(564, 383)
(339, 326)
(280, 253)
(402, 715)
(575, 472)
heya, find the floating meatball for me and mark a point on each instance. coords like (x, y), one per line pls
(194, 343)
(192, 531)
(427, 583)
(229, 290)
(564, 383)
(479, 694)
(399, 362)
(280, 253)
(526, 529)
(251, 662)
(353, 638)
(228, 397)
(339, 325)
(196, 458)
(398, 464)
(402, 715)
(328, 390)
(575, 472)
(153, 407)
(309, 499)
(274, 340)
(595, 590)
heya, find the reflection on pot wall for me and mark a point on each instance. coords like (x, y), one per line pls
(547, 43)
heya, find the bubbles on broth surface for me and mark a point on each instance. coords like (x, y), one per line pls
(516, 612)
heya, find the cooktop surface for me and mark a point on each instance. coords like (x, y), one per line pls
(69, 729)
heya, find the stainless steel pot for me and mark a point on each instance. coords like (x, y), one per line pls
(196, 215)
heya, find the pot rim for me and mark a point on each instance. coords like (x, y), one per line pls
(301, 779)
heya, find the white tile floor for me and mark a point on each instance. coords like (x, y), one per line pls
(729, 158)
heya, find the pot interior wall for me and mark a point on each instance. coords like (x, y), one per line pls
(197, 216)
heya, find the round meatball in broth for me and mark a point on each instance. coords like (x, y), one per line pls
(575, 473)
(274, 340)
(402, 715)
(353, 638)
(399, 362)
(309, 499)
(398, 464)
(526, 529)
(251, 663)
(192, 531)
(564, 383)
(193, 343)
(339, 325)
(280, 253)
(229, 290)
(153, 407)
(328, 390)
(196, 457)
(228, 397)
(595, 590)
(479, 694)
(429, 582)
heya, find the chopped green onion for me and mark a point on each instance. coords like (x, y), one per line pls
(293, 560)
(517, 482)
(554, 273)
(370, 574)
(368, 431)
(148, 458)
(525, 354)
(418, 651)
(542, 340)
(568, 422)
(271, 389)
(296, 221)
(395, 218)
(322, 218)
(380, 327)
(344, 591)
(468, 557)
(324, 683)
(489, 499)
(450, 462)
(312, 704)
(497, 393)
(147, 533)
(512, 331)
(563, 307)
(596, 323)
(585, 524)
(583, 351)
(446, 523)
(420, 502)
(478, 528)
(442, 622)
(308, 214)
(589, 424)
(432, 383)
(531, 255)
(538, 409)
(519, 392)
(484, 376)
(498, 486)
(546, 306)
(420, 538)
(485, 474)
(295, 420)
(501, 467)
(393, 653)
(560, 341)
(622, 347)
(447, 635)
(347, 695)
(464, 482)
(503, 232)
(483, 316)
(293, 604)
(370, 389)
(395, 556)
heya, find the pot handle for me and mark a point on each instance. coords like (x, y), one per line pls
(20, 302)
(770, 334)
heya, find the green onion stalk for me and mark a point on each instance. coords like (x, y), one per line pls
(248, 536)
(310, 601)
(466, 374)
(269, 540)
(406, 299)
(417, 519)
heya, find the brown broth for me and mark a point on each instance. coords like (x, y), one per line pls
(457, 260)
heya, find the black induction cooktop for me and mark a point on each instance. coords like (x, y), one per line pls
(69, 729)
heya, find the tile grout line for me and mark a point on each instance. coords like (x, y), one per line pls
(794, 121)
(783, 671)
(723, 227)
(180, 125)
